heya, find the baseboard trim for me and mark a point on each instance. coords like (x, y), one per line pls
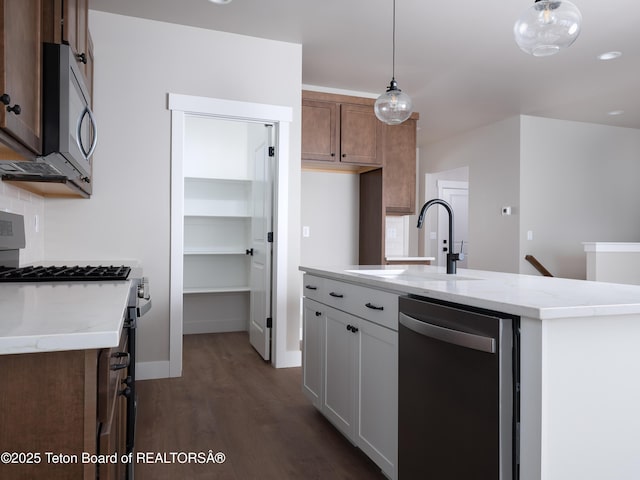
(152, 370)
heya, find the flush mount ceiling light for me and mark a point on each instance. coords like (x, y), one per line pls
(220, 2)
(609, 55)
(547, 27)
(393, 106)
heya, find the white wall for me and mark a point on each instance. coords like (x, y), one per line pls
(578, 183)
(138, 62)
(31, 207)
(492, 155)
(567, 183)
(330, 208)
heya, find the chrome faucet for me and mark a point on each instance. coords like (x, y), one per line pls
(452, 258)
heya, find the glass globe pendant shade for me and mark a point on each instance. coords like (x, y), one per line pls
(547, 27)
(393, 107)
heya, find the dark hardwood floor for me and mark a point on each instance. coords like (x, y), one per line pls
(229, 400)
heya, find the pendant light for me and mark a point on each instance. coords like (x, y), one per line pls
(547, 26)
(393, 106)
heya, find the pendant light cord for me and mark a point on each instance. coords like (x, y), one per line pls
(393, 56)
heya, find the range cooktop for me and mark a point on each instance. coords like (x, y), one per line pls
(64, 273)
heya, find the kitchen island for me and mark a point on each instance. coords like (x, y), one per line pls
(579, 361)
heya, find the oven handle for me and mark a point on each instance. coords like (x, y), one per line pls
(455, 337)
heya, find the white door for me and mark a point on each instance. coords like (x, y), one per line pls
(260, 246)
(455, 194)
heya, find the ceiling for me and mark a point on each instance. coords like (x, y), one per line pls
(457, 60)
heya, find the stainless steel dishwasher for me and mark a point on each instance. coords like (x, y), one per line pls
(458, 392)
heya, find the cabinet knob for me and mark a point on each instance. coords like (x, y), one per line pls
(82, 57)
(318, 314)
(250, 251)
(333, 154)
(344, 155)
(15, 109)
(5, 98)
(351, 328)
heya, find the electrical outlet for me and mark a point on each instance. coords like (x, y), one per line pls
(306, 231)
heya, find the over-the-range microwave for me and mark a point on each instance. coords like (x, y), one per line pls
(69, 132)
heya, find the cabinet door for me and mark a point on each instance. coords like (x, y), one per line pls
(312, 342)
(340, 369)
(360, 135)
(75, 25)
(21, 71)
(399, 171)
(377, 395)
(320, 130)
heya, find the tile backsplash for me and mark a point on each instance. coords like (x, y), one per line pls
(31, 206)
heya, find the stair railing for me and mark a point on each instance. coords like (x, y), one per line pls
(537, 265)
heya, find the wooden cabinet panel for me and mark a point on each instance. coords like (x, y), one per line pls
(341, 130)
(372, 221)
(320, 128)
(49, 405)
(65, 402)
(399, 169)
(21, 74)
(360, 135)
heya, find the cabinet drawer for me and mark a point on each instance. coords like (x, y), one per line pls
(375, 305)
(369, 303)
(313, 287)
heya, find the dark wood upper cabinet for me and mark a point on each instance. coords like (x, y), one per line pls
(20, 76)
(320, 130)
(341, 130)
(399, 169)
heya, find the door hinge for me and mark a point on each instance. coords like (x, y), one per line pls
(270, 237)
(272, 151)
(269, 322)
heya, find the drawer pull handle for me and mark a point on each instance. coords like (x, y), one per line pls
(373, 307)
(336, 295)
(310, 287)
(120, 366)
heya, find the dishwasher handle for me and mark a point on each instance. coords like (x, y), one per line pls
(456, 337)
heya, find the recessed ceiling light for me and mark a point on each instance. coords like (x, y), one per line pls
(613, 113)
(609, 55)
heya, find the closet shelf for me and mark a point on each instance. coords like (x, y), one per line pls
(194, 291)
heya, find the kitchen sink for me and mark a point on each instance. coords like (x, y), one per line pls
(410, 276)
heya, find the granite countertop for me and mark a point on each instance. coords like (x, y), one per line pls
(525, 295)
(45, 317)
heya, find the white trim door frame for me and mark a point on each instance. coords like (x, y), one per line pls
(281, 117)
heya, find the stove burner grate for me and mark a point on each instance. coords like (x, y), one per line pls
(64, 273)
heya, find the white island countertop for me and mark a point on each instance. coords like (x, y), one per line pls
(524, 295)
(46, 317)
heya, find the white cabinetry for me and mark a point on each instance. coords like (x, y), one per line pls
(353, 349)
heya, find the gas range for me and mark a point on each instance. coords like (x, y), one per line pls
(87, 273)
